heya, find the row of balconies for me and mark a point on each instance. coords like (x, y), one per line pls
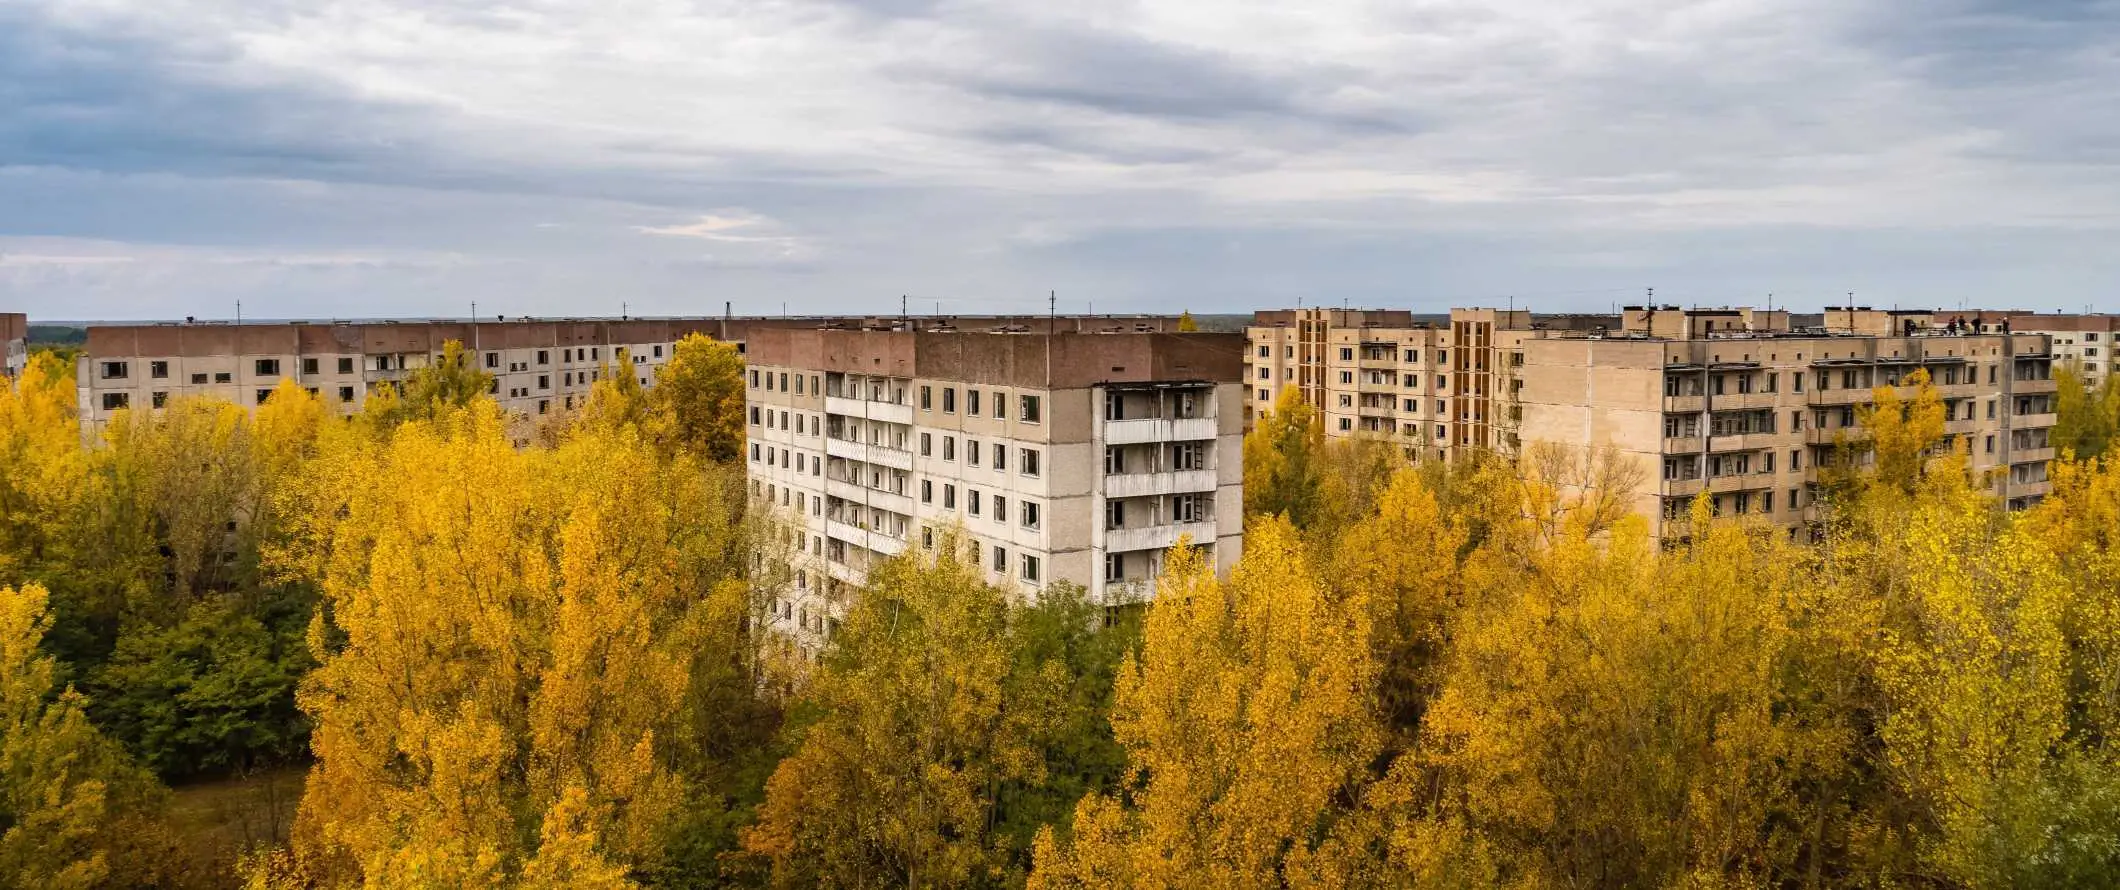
(873, 497)
(860, 537)
(879, 455)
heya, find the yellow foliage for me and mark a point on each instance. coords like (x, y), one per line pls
(1246, 717)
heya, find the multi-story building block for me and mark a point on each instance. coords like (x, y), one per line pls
(1051, 457)
(540, 366)
(1724, 402)
(2086, 342)
(14, 344)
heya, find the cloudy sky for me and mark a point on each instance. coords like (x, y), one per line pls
(408, 157)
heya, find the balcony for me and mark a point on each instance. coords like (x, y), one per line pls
(2031, 387)
(872, 454)
(1960, 427)
(1682, 488)
(2030, 489)
(1682, 444)
(2031, 421)
(1858, 396)
(1685, 404)
(1158, 537)
(1739, 401)
(870, 497)
(1158, 429)
(886, 412)
(1751, 441)
(1741, 482)
(864, 538)
(1142, 485)
(2031, 455)
(1818, 436)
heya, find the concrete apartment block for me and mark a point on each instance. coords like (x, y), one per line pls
(14, 344)
(1725, 403)
(2084, 341)
(1738, 402)
(539, 365)
(1076, 457)
(1440, 385)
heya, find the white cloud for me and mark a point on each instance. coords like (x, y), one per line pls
(975, 149)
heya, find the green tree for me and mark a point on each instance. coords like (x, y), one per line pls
(74, 811)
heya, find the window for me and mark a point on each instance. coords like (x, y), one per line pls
(264, 394)
(115, 370)
(927, 491)
(1346, 376)
(783, 381)
(1000, 509)
(158, 398)
(1766, 502)
(345, 393)
(971, 452)
(1346, 424)
(346, 365)
(1114, 514)
(927, 538)
(658, 350)
(1000, 458)
(1001, 560)
(1265, 351)
(1030, 461)
(754, 378)
(1114, 460)
(544, 406)
(113, 401)
(949, 400)
(1030, 411)
(158, 370)
(927, 399)
(1114, 566)
(1795, 461)
(1030, 568)
(1030, 515)
(1188, 508)
(949, 497)
(493, 360)
(927, 445)
(1188, 456)
(1346, 353)
(754, 415)
(971, 501)
(949, 445)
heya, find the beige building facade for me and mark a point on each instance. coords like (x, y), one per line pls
(1439, 386)
(1721, 402)
(2082, 341)
(14, 344)
(1051, 457)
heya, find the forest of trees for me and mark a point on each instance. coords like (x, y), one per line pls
(542, 667)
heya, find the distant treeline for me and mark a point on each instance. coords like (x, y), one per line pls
(57, 335)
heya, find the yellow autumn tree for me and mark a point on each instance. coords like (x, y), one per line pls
(1281, 472)
(1403, 560)
(929, 721)
(42, 466)
(697, 404)
(1616, 720)
(1246, 719)
(510, 656)
(1186, 324)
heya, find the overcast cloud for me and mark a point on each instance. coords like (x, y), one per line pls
(409, 157)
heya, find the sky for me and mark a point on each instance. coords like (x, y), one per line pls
(662, 157)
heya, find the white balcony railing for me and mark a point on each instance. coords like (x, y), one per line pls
(1158, 537)
(874, 454)
(1141, 485)
(888, 412)
(1158, 429)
